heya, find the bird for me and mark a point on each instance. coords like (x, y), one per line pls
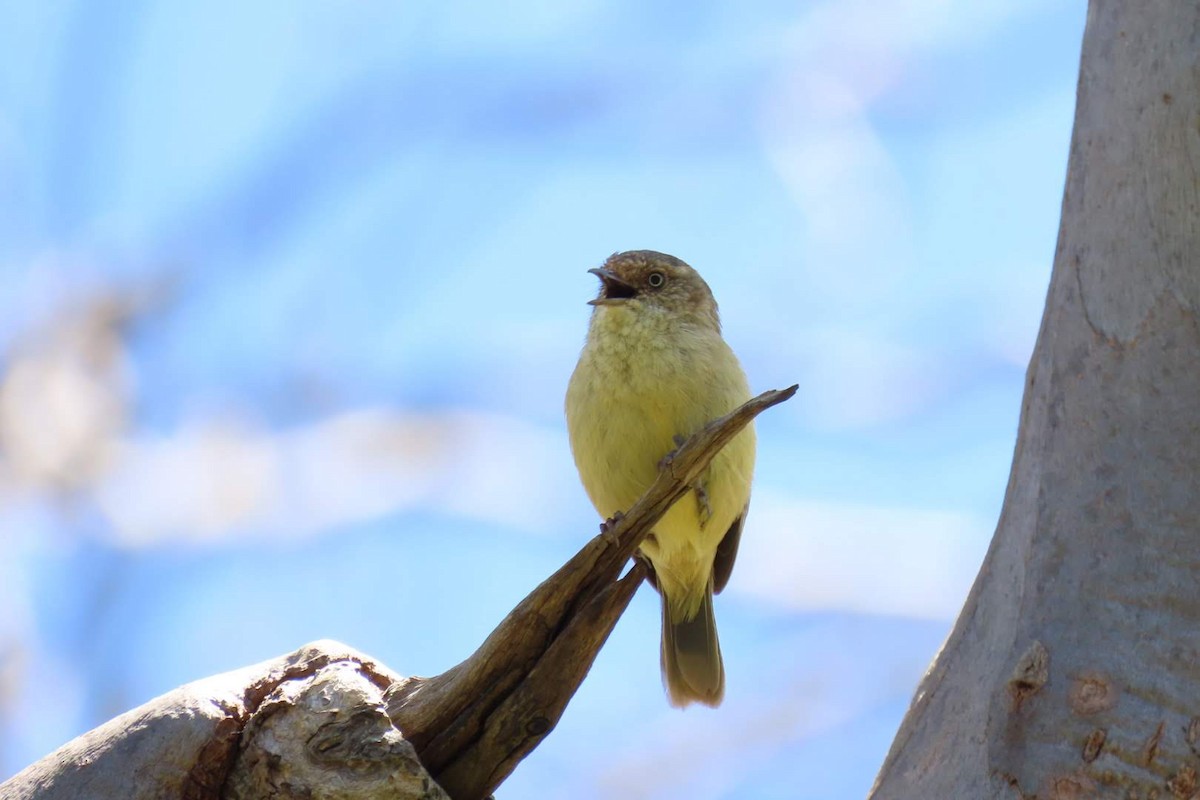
(654, 369)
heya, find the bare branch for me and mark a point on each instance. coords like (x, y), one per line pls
(473, 724)
(328, 722)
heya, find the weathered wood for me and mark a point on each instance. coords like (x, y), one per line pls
(326, 722)
(319, 709)
(1073, 670)
(473, 723)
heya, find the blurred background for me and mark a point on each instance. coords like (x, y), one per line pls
(290, 293)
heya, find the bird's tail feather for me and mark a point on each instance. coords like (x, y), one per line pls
(691, 656)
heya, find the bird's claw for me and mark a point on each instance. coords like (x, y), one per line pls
(608, 527)
(666, 461)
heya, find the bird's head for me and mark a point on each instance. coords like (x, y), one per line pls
(648, 282)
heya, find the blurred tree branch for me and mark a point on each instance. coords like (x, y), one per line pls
(327, 722)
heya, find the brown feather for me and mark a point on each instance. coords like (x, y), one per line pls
(727, 552)
(691, 657)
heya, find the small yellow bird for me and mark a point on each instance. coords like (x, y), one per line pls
(655, 368)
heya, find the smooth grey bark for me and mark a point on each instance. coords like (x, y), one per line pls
(1073, 670)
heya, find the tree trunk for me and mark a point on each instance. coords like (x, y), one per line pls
(1074, 668)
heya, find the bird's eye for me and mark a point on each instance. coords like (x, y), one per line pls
(656, 279)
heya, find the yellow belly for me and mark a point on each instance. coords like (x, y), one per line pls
(629, 396)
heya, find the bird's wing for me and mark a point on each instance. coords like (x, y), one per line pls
(727, 552)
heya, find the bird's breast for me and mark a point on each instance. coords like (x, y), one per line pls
(637, 386)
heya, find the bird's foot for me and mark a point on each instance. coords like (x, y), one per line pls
(666, 461)
(608, 527)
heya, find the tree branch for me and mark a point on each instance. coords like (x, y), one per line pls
(328, 722)
(473, 724)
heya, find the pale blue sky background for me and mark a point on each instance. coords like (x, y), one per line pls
(290, 293)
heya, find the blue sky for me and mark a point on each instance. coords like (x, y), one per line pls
(291, 292)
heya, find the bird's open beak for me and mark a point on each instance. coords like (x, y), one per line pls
(613, 291)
